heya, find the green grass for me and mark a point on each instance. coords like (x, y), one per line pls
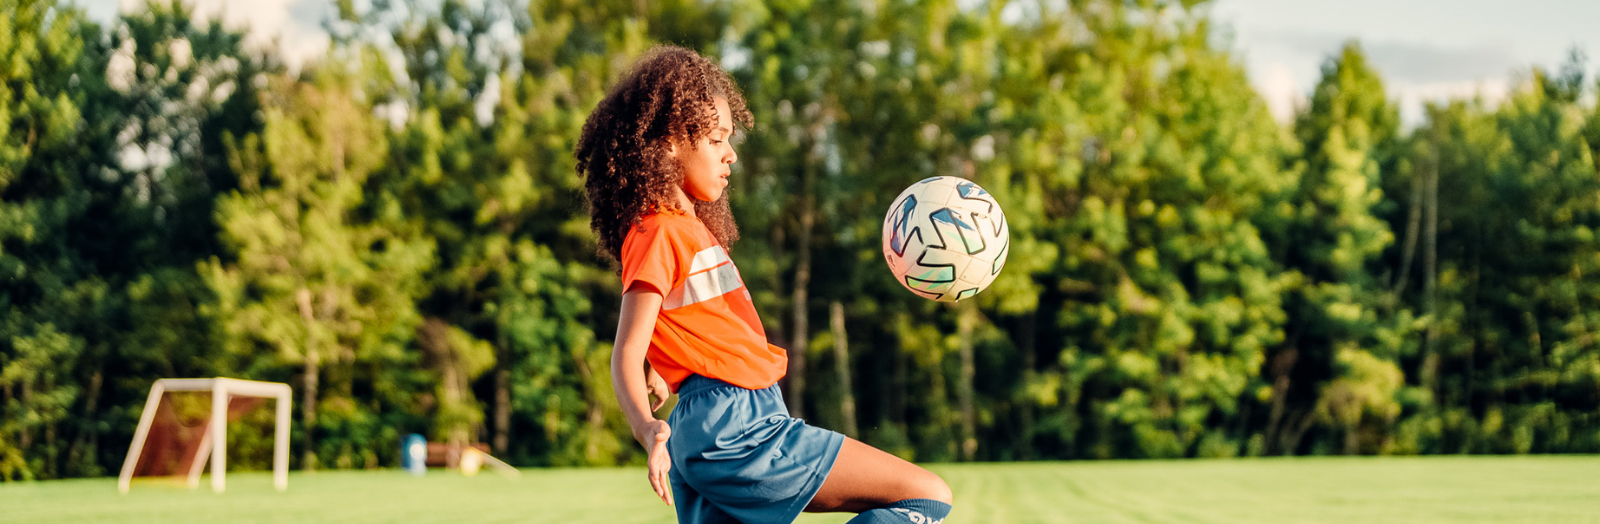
(1550, 489)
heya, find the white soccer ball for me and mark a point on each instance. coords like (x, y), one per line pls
(945, 238)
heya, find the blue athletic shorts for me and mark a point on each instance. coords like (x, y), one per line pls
(737, 455)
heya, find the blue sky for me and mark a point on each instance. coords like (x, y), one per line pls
(1425, 49)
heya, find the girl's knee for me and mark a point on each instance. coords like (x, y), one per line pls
(933, 487)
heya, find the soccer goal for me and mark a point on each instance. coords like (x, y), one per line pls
(176, 431)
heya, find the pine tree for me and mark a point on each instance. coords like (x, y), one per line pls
(1337, 366)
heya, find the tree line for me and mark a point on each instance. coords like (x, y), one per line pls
(397, 230)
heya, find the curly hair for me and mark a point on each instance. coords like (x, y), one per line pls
(669, 95)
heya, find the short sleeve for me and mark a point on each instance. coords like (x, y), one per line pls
(651, 255)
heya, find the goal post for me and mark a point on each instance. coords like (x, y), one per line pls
(229, 399)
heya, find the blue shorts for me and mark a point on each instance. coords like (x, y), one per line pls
(737, 455)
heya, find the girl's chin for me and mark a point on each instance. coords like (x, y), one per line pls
(708, 197)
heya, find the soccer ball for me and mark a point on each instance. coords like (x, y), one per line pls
(945, 238)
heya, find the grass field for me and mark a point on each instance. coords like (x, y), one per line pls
(1556, 489)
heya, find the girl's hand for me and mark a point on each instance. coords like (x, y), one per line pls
(657, 387)
(656, 433)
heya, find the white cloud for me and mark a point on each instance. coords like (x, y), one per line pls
(120, 71)
(1282, 93)
(487, 101)
(1425, 50)
(269, 23)
(1412, 96)
(292, 26)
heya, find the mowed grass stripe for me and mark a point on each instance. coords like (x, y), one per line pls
(1546, 489)
(1479, 489)
(584, 495)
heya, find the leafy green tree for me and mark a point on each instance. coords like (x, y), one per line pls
(792, 59)
(1154, 158)
(321, 277)
(398, 233)
(482, 165)
(171, 88)
(56, 301)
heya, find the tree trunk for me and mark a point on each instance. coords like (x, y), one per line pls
(896, 388)
(1282, 366)
(1472, 310)
(1025, 404)
(502, 396)
(593, 413)
(308, 400)
(1413, 222)
(308, 410)
(84, 444)
(776, 240)
(777, 335)
(502, 410)
(969, 432)
(802, 283)
(1303, 421)
(456, 434)
(841, 364)
(25, 440)
(937, 400)
(1430, 262)
(52, 457)
(597, 427)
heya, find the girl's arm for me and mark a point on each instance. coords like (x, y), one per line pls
(657, 386)
(637, 321)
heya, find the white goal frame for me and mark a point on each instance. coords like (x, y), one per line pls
(215, 439)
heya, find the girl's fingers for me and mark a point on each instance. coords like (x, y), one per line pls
(660, 465)
(661, 489)
(658, 480)
(666, 488)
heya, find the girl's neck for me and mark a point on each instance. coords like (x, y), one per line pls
(684, 202)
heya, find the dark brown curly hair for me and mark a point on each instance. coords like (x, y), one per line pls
(669, 95)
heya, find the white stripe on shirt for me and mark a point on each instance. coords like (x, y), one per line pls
(720, 279)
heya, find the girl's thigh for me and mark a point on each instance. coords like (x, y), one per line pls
(865, 477)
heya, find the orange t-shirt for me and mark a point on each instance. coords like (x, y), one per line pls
(707, 325)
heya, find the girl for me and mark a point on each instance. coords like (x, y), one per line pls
(656, 155)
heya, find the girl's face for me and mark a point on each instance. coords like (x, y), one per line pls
(707, 166)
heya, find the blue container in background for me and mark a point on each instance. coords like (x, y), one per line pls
(414, 454)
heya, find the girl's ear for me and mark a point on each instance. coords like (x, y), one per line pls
(672, 148)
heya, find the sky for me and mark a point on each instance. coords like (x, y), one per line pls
(295, 26)
(1425, 50)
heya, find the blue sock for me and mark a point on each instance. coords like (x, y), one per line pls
(913, 511)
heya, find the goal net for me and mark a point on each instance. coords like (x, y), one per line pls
(184, 426)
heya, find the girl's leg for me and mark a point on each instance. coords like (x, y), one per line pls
(866, 478)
